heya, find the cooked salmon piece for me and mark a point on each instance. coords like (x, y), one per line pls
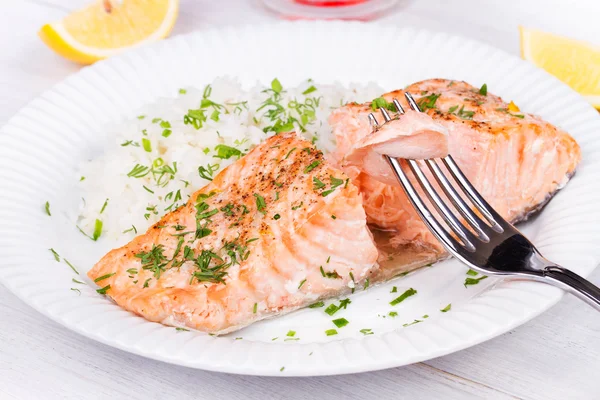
(516, 160)
(277, 230)
(412, 135)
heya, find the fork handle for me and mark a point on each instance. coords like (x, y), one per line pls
(574, 284)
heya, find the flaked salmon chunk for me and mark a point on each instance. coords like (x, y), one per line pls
(412, 135)
(275, 231)
(516, 160)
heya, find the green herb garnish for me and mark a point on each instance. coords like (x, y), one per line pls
(47, 208)
(331, 332)
(55, 254)
(71, 266)
(103, 290)
(97, 230)
(428, 102)
(403, 296)
(483, 89)
(309, 90)
(260, 203)
(311, 166)
(473, 281)
(340, 322)
(103, 277)
(276, 85)
(226, 152)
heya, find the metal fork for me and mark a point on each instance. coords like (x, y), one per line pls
(492, 245)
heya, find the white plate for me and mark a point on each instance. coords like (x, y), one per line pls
(41, 146)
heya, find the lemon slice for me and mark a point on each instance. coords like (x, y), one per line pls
(574, 62)
(108, 27)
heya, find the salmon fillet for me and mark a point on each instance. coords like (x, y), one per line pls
(275, 231)
(516, 160)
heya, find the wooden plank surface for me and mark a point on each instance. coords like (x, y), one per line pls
(555, 356)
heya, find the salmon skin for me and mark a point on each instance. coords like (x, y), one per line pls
(516, 160)
(277, 230)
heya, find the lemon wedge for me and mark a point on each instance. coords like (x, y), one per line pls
(109, 27)
(574, 62)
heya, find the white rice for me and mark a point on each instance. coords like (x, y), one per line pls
(131, 207)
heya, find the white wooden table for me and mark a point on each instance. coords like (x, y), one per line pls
(555, 356)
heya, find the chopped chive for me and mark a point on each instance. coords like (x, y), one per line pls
(104, 206)
(71, 265)
(312, 166)
(281, 369)
(403, 296)
(366, 285)
(103, 277)
(309, 90)
(182, 91)
(260, 203)
(77, 281)
(393, 314)
(394, 289)
(166, 133)
(147, 189)
(473, 281)
(255, 308)
(76, 290)
(340, 322)
(103, 290)
(55, 254)
(483, 89)
(331, 309)
(181, 329)
(317, 304)
(331, 332)
(251, 240)
(416, 321)
(47, 208)
(366, 331)
(97, 230)
(141, 116)
(147, 145)
(291, 333)
(288, 154)
(447, 308)
(471, 272)
(276, 85)
(276, 216)
(301, 283)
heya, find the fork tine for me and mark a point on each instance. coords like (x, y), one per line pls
(479, 202)
(398, 106)
(386, 115)
(411, 102)
(432, 223)
(373, 120)
(473, 220)
(459, 229)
